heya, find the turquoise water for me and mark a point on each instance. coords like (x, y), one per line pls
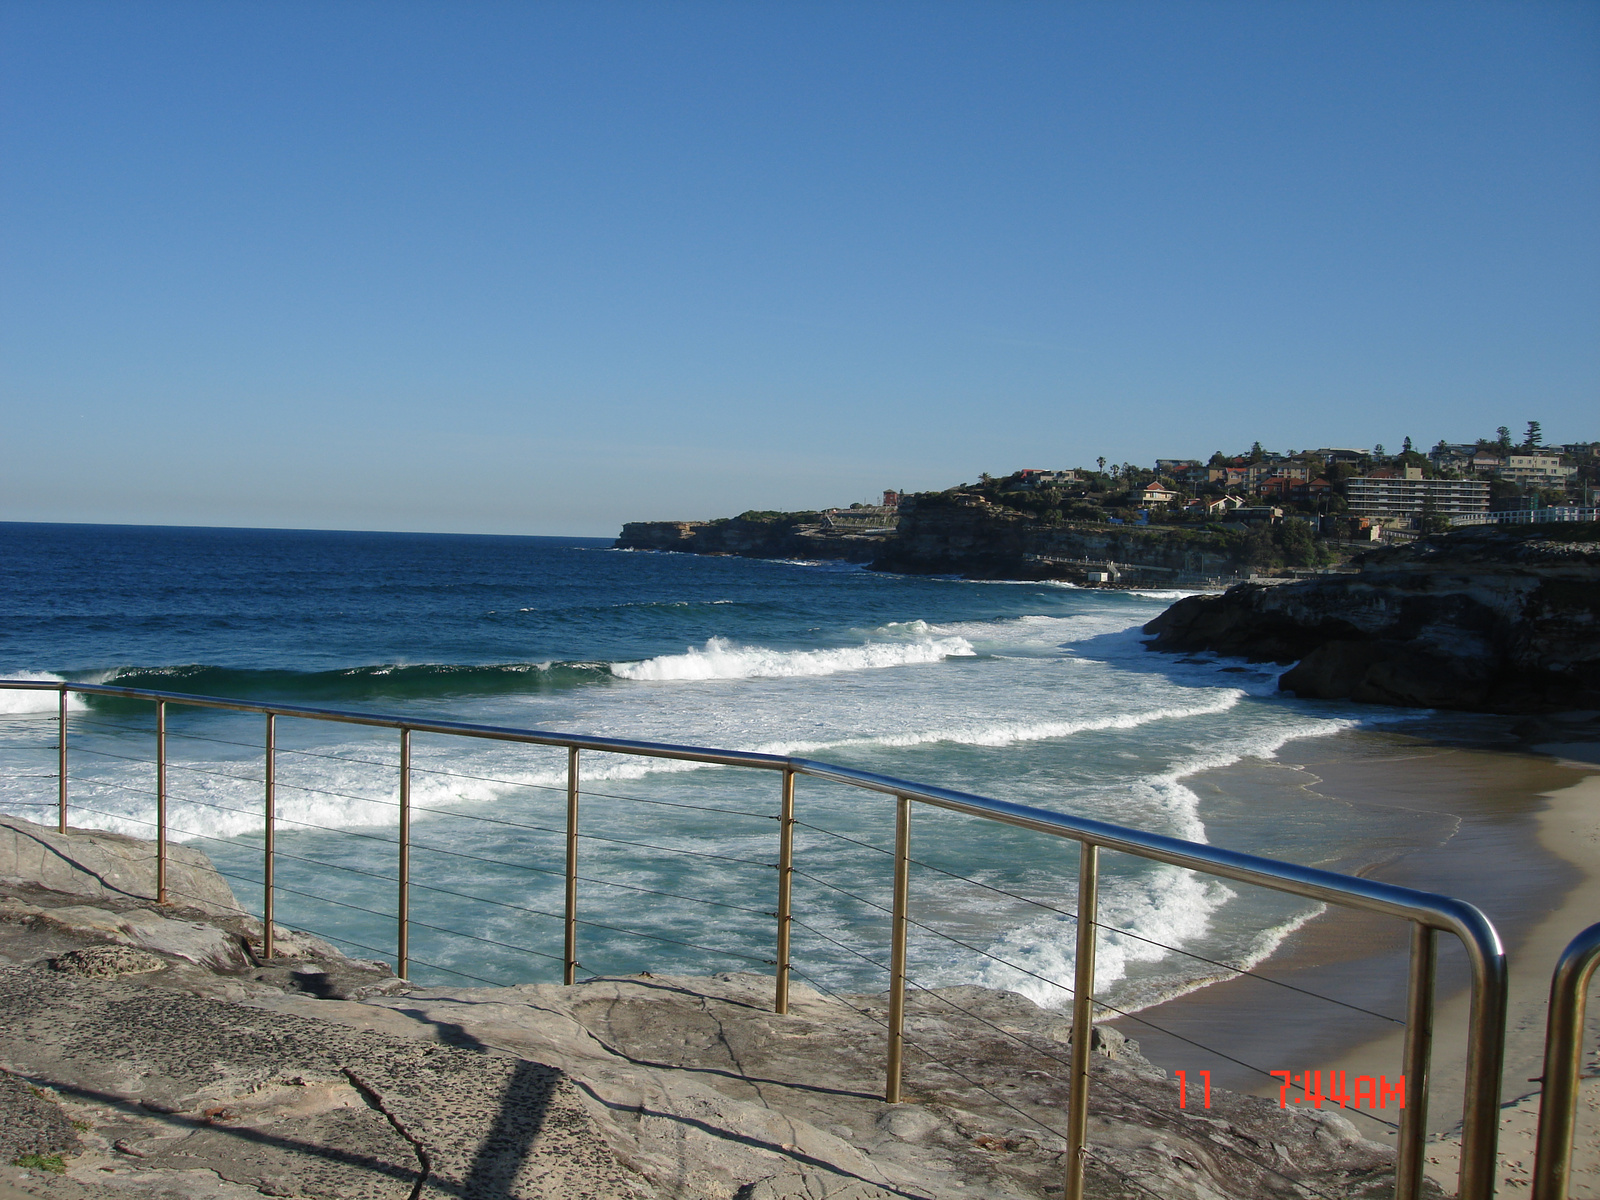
(1036, 693)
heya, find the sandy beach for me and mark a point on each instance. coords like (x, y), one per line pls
(1515, 831)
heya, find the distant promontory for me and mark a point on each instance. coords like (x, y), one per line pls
(998, 530)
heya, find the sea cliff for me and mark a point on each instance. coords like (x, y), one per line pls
(754, 535)
(966, 533)
(1492, 619)
(963, 534)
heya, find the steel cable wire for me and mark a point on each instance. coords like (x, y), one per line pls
(936, 933)
(1030, 1117)
(1103, 925)
(373, 837)
(1238, 970)
(844, 838)
(388, 916)
(452, 853)
(487, 941)
(1265, 1074)
(1043, 1053)
(416, 769)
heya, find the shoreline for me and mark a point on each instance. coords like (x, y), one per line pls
(1521, 841)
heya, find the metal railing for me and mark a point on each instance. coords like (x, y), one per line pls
(1563, 1064)
(1427, 914)
(1524, 516)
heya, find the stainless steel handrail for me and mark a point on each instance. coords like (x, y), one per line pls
(1563, 1064)
(1427, 912)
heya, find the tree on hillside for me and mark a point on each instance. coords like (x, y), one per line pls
(1101, 463)
(1378, 453)
(1217, 460)
(1256, 452)
(1406, 448)
(1535, 436)
(1503, 439)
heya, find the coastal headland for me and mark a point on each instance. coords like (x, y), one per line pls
(987, 533)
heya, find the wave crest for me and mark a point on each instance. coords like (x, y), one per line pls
(721, 659)
(17, 702)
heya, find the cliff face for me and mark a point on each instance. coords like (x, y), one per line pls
(782, 538)
(938, 536)
(1498, 619)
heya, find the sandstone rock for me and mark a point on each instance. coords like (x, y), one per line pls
(1495, 620)
(107, 960)
(908, 1123)
(92, 863)
(670, 1087)
(31, 1122)
(196, 1092)
(198, 942)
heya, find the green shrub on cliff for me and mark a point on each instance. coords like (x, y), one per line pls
(770, 517)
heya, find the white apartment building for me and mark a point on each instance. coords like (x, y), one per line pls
(1409, 495)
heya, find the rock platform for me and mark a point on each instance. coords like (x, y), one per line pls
(157, 1067)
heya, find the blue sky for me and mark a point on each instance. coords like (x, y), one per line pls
(543, 268)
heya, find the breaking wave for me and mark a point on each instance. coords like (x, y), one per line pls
(721, 659)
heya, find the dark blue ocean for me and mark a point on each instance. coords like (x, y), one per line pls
(1037, 693)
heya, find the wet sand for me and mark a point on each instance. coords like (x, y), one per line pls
(1515, 833)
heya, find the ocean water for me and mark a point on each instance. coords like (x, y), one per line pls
(1035, 693)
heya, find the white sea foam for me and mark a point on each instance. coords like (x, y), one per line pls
(1073, 673)
(721, 659)
(1168, 907)
(18, 701)
(1008, 733)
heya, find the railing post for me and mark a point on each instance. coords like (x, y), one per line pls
(1486, 1053)
(403, 933)
(1415, 1066)
(569, 967)
(897, 952)
(1082, 1017)
(270, 813)
(61, 766)
(780, 1003)
(1563, 1063)
(161, 801)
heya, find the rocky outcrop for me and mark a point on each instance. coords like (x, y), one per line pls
(105, 866)
(174, 1078)
(1495, 619)
(783, 535)
(178, 1097)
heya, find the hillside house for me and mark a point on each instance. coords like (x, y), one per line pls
(1156, 495)
(1031, 479)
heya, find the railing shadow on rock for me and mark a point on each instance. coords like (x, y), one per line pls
(1427, 914)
